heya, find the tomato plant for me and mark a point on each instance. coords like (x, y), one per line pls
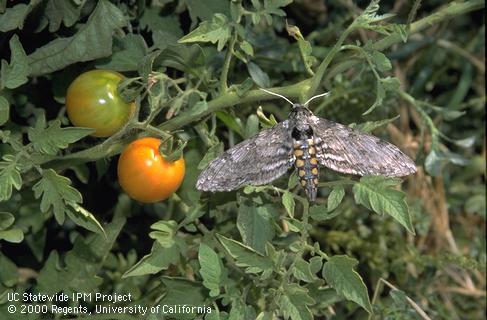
(196, 70)
(92, 101)
(145, 175)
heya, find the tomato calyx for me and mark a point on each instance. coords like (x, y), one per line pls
(130, 89)
(172, 151)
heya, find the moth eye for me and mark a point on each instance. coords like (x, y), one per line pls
(295, 134)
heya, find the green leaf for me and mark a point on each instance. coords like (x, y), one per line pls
(391, 84)
(6, 220)
(321, 213)
(294, 301)
(4, 110)
(204, 10)
(258, 75)
(128, 52)
(211, 269)
(399, 297)
(335, 198)
(293, 180)
(9, 178)
(213, 152)
(269, 9)
(181, 57)
(246, 256)
(58, 11)
(302, 271)
(304, 47)
(315, 264)
(247, 48)
(81, 266)
(436, 161)
(85, 219)
(370, 16)
(198, 108)
(178, 292)
(251, 127)
(231, 122)
(372, 125)
(9, 275)
(165, 232)
(244, 87)
(378, 194)
(14, 235)
(288, 203)
(13, 18)
(56, 192)
(381, 62)
(15, 74)
(380, 94)
(188, 193)
(160, 258)
(92, 41)
(216, 31)
(339, 273)
(166, 30)
(384, 85)
(254, 224)
(53, 138)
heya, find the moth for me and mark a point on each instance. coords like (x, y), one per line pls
(306, 142)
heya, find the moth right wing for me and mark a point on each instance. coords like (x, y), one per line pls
(347, 150)
(255, 161)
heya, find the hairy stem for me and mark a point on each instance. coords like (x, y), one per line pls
(226, 65)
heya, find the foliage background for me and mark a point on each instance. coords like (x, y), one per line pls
(66, 226)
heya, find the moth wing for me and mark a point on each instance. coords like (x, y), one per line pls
(255, 161)
(347, 150)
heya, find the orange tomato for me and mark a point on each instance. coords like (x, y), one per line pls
(145, 175)
(92, 101)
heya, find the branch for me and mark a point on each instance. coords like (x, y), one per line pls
(448, 12)
(226, 64)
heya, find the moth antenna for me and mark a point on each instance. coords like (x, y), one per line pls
(317, 96)
(276, 94)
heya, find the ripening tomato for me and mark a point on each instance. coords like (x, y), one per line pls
(145, 175)
(92, 101)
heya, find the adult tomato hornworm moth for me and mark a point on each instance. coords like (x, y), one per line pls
(307, 142)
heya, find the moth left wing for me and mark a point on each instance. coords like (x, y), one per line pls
(254, 161)
(347, 150)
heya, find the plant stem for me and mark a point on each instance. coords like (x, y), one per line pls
(231, 98)
(226, 65)
(316, 80)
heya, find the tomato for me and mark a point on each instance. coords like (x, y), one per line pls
(92, 102)
(145, 175)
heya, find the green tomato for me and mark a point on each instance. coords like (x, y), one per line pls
(92, 101)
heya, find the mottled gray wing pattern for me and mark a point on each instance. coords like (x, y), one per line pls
(347, 150)
(254, 161)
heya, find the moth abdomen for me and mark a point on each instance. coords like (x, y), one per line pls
(307, 166)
